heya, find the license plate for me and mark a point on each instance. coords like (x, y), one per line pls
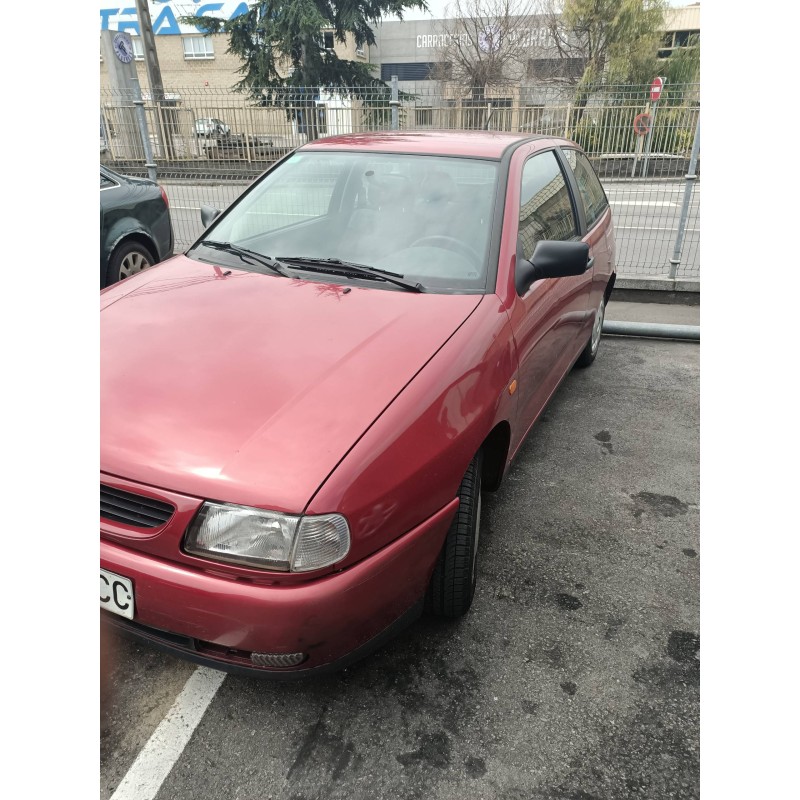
(116, 594)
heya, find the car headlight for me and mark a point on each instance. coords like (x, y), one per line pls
(253, 537)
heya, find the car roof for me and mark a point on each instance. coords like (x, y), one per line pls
(475, 144)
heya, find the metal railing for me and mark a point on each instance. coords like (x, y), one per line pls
(208, 144)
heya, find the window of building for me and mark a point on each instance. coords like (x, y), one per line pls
(675, 39)
(531, 119)
(591, 192)
(328, 40)
(545, 206)
(410, 71)
(197, 47)
(138, 48)
(500, 119)
(556, 68)
(685, 38)
(423, 117)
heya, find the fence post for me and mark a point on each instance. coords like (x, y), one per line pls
(395, 103)
(142, 120)
(691, 177)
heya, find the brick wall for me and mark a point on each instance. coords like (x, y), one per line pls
(219, 72)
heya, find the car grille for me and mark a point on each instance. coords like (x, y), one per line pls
(133, 509)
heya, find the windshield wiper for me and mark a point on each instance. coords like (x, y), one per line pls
(248, 256)
(337, 266)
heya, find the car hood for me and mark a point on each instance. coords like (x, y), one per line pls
(250, 388)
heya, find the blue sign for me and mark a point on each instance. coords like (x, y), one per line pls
(166, 15)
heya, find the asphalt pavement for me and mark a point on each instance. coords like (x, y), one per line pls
(575, 676)
(661, 313)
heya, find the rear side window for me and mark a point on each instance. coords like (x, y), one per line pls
(106, 183)
(545, 206)
(592, 194)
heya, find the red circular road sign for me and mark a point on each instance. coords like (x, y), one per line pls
(641, 124)
(656, 88)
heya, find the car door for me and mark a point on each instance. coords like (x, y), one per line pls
(548, 319)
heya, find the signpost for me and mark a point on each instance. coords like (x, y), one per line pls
(656, 87)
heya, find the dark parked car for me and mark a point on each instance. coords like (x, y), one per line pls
(293, 453)
(135, 227)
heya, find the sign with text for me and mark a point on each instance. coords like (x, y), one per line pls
(489, 39)
(166, 16)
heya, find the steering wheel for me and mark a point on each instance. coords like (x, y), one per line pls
(450, 243)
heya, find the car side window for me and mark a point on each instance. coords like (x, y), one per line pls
(106, 183)
(591, 191)
(545, 206)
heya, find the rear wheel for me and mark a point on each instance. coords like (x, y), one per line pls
(593, 345)
(128, 259)
(452, 585)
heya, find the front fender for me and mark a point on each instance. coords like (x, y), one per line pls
(121, 229)
(410, 462)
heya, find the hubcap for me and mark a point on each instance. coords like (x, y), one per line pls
(132, 263)
(598, 326)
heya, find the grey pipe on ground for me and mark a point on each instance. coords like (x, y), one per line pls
(652, 329)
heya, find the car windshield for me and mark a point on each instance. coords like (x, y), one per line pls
(428, 218)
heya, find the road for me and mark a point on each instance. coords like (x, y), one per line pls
(575, 674)
(645, 215)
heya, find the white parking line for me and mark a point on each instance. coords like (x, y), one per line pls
(164, 747)
(642, 203)
(657, 190)
(648, 228)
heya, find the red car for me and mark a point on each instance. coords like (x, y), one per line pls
(299, 415)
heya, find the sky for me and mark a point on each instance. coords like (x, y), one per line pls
(437, 9)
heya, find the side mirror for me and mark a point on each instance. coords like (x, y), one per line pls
(551, 260)
(208, 215)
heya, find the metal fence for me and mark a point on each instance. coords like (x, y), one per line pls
(208, 144)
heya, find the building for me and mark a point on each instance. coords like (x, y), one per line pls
(682, 29)
(189, 60)
(411, 49)
(416, 51)
(199, 74)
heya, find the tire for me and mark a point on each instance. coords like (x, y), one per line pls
(128, 259)
(589, 353)
(452, 585)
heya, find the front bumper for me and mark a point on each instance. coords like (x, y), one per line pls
(220, 621)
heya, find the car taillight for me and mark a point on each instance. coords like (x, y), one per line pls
(164, 196)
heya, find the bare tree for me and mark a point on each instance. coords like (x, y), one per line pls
(606, 39)
(486, 43)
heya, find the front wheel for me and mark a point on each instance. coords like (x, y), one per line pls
(128, 259)
(593, 345)
(452, 585)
